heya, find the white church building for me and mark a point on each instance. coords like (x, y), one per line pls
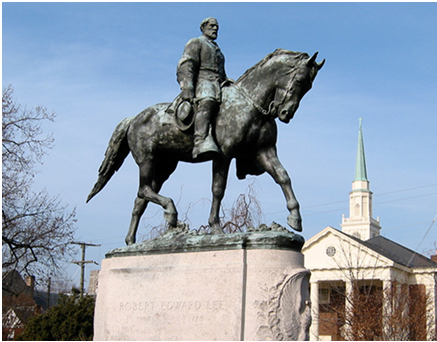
(363, 285)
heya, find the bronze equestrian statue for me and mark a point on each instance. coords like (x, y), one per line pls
(244, 128)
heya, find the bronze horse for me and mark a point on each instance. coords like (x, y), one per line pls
(244, 129)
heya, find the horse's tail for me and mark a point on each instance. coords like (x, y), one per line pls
(116, 153)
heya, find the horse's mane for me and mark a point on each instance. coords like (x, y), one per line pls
(296, 55)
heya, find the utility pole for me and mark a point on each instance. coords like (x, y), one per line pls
(82, 263)
(48, 292)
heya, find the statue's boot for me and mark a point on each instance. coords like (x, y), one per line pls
(205, 147)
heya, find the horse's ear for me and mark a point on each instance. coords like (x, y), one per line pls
(320, 65)
(312, 60)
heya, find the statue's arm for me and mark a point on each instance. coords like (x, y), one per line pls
(187, 69)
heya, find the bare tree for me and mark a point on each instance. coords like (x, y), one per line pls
(245, 212)
(36, 228)
(431, 249)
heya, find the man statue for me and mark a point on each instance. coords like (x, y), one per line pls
(200, 72)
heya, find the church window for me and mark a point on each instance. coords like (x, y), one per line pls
(357, 210)
(330, 251)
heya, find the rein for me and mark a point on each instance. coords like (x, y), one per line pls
(248, 99)
(274, 104)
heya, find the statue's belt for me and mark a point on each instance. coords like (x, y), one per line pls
(210, 76)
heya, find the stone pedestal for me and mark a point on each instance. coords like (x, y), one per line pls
(245, 286)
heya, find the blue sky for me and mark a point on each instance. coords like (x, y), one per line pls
(97, 63)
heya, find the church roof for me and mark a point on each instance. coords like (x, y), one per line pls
(398, 253)
(394, 251)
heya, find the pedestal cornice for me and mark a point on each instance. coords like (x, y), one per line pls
(185, 240)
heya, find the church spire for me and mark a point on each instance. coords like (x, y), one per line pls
(360, 166)
(360, 223)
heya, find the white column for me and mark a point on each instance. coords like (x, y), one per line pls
(347, 332)
(431, 311)
(387, 305)
(314, 330)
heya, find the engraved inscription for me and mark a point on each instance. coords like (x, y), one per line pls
(181, 305)
(137, 306)
(215, 305)
(195, 319)
(210, 305)
(152, 311)
(143, 318)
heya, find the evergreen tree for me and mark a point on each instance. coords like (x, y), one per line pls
(70, 320)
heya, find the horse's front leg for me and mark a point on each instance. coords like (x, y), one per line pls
(269, 161)
(220, 170)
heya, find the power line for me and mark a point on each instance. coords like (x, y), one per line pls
(111, 238)
(407, 198)
(376, 195)
(394, 192)
(329, 211)
(420, 243)
(415, 224)
(321, 205)
(423, 239)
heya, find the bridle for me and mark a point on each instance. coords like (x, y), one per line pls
(287, 92)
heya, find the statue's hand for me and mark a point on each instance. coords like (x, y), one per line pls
(187, 95)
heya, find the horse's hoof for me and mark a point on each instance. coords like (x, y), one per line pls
(295, 223)
(171, 218)
(129, 241)
(181, 227)
(217, 230)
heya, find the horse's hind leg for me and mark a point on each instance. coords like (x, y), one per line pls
(149, 193)
(139, 207)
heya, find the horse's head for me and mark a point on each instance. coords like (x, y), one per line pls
(293, 85)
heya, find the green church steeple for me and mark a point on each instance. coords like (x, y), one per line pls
(361, 223)
(360, 166)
